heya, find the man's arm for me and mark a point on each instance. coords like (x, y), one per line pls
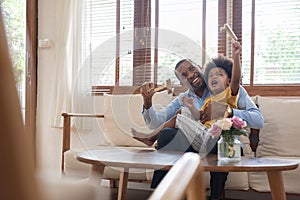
(155, 119)
(248, 110)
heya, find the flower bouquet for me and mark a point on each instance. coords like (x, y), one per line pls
(229, 145)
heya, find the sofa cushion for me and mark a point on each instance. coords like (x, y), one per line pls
(259, 180)
(123, 112)
(237, 181)
(281, 129)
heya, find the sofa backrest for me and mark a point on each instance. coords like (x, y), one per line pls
(123, 112)
(281, 132)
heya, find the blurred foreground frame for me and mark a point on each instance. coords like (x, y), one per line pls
(17, 171)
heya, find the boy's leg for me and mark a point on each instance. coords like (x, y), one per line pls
(170, 139)
(150, 138)
(196, 133)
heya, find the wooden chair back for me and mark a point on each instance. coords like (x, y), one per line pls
(184, 180)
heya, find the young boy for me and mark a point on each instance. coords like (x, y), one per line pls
(223, 77)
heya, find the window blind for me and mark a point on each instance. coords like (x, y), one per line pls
(142, 42)
(111, 35)
(180, 25)
(122, 33)
(212, 28)
(221, 21)
(277, 42)
(126, 42)
(98, 35)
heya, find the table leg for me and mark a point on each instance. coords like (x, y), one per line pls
(123, 183)
(96, 174)
(276, 185)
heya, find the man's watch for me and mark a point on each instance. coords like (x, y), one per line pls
(229, 111)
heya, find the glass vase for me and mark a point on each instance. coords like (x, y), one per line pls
(229, 149)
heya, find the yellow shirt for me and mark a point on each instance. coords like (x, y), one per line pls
(224, 98)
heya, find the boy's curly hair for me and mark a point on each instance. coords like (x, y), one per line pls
(219, 61)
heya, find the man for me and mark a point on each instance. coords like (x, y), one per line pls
(173, 139)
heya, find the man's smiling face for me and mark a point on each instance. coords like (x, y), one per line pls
(190, 75)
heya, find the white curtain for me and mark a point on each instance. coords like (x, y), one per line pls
(71, 92)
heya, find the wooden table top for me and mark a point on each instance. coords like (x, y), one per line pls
(153, 159)
(130, 158)
(248, 164)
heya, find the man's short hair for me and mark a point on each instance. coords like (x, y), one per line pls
(180, 62)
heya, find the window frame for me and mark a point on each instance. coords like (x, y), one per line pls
(31, 73)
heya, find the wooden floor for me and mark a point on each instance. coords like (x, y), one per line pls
(138, 194)
(131, 194)
(142, 191)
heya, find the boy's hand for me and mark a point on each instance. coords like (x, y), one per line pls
(188, 102)
(236, 49)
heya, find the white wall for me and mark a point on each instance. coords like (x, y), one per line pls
(48, 139)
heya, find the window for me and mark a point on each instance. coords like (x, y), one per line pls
(98, 38)
(176, 31)
(276, 44)
(21, 25)
(132, 50)
(134, 39)
(271, 47)
(15, 21)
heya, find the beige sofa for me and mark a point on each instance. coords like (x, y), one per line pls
(279, 138)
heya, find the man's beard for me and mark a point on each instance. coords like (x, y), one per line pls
(199, 88)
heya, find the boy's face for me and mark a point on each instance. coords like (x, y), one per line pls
(190, 75)
(218, 80)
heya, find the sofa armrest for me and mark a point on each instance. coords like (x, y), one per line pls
(67, 131)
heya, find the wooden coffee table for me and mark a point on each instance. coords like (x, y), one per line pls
(272, 166)
(126, 158)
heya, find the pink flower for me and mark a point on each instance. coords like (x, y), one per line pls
(215, 130)
(224, 124)
(229, 127)
(238, 123)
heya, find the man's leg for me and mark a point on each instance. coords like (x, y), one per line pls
(217, 184)
(217, 180)
(170, 139)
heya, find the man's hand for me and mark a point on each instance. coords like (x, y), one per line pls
(147, 91)
(188, 102)
(213, 110)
